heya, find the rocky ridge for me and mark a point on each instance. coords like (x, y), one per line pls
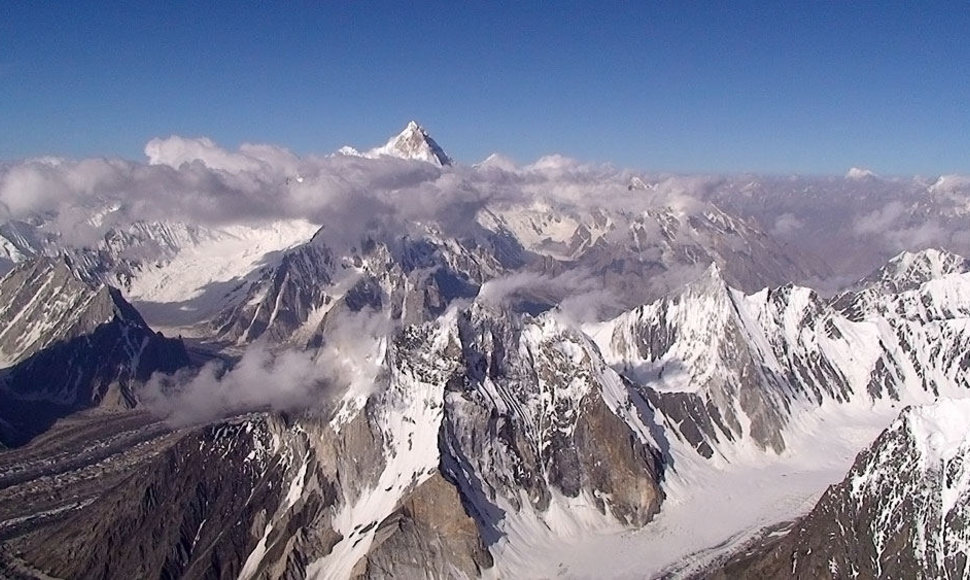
(73, 346)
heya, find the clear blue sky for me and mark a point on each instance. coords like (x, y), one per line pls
(808, 87)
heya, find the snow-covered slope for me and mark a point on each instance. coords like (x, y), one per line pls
(178, 273)
(901, 512)
(910, 270)
(42, 302)
(724, 366)
(211, 261)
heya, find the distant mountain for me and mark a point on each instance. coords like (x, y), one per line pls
(410, 279)
(910, 270)
(901, 512)
(413, 143)
(854, 223)
(179, 273)
(642, 255)
(859, 173)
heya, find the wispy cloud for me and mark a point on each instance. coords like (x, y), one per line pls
(287, 379)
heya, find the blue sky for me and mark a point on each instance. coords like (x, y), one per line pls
(809, 87)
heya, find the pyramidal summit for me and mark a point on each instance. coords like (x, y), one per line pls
(411, 143)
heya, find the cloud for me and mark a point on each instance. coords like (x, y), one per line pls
(197, 181)
(354, 349)
(259, 380)
(786, 225)
(880, 220)
(951, 184)
(194, 180)
(349, 363)
(898, 226)
(176, 151)
(577, 294)
(923, 235)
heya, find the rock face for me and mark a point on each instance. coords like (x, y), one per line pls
(411, 280)
(257, 497)
(429, 536)
(42, 302)
(534, 413)
(901, 512)
(513, 411)
(475, 413)
(696, 353)
(283, 298)
(74, 346)
(197, 512)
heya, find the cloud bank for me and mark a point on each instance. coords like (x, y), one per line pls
(196, 181)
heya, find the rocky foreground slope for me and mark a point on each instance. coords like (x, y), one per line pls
(901, 512)
(485, 421)
(479, 415)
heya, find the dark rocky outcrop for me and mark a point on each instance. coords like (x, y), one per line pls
(95, 353)
(429, 536)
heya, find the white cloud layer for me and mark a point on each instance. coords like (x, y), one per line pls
(194, 180)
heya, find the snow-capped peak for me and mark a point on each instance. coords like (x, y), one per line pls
(497, 161)
(711, 281)
(908, 270)
(950, 183)
(638, 183)
(413, 143)
(349, 151)
(859, 173)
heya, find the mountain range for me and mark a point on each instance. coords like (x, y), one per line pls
(435, 370)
